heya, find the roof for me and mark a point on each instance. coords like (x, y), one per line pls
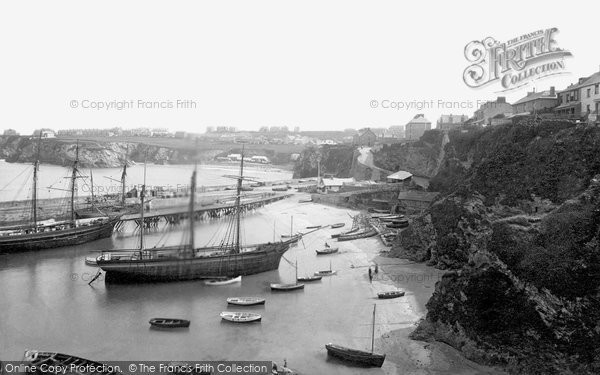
(419, 119)
(337, 181)
(452, 119)
(591, 80)
(535, 96)
(415, 195)
(400, 175)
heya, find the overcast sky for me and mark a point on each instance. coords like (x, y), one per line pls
(312, 64)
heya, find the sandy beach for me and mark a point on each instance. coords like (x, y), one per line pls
(395, 318)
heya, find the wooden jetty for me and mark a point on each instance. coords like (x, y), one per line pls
(174, 215)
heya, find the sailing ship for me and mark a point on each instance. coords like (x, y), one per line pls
(46, 234)
(359, 357)
(186, 261)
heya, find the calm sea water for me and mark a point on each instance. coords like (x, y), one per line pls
(16, 178)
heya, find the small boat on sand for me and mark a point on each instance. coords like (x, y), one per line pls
(351, 231)
(305, 200)
(327, 250)
(365, 234)
(337, 225)
(309, 278)
(240, 316)
(36, 359)
(314, 227)
(360, 357)
(91, 261)
(217, 282)
(246, 301)
(390, 294)
(169, 323)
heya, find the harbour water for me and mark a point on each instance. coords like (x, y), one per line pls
(46, 302)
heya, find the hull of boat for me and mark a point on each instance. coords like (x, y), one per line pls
(355, 356)
(327, 251)
(58, 238)
(265, 258)
(367, 234)
(169, 323)
(36, 359)
(285, 287)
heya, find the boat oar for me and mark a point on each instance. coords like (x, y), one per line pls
(95, 277)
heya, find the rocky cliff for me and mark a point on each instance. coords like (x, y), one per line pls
(421, 158)
(517, 227)
(95, 154)
(335, 160)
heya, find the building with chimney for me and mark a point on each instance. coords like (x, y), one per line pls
(449, 122)
(590, 98)
(416, 127)
(491, 110)
(569, 100)
(534, 102)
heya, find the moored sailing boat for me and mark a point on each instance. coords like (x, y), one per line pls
(51, 233)
(187, 262)
(359, 357)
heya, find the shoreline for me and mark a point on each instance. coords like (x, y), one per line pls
(412, 356)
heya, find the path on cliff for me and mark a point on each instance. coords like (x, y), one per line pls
(366, 158)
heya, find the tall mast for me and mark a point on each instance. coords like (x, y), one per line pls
(373, 330)
(123, 176)
(36, 166)
(92, 188)
(291, 225)
(296, 271)
(74, 183)
(142, 196)
(192, 206)
(237, 204)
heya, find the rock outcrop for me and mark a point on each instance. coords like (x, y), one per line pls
(518, 228)
(335, 160)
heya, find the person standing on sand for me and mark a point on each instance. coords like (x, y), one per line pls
(370, 275)
(376, 269)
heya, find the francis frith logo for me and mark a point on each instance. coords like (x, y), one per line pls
(514, 63)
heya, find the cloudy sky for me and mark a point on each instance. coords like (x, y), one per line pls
(312, 64)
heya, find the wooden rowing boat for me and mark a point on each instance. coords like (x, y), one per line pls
(245, 301)
(327, 250)
(314, 227)
(309, 278)
(169, 323)
(217, 282)
(390, 294)
(365, 234)
(240, 316)
(337, 225)
(287, 287)
(37, 360)
(354, 230)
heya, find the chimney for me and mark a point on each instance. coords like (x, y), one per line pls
(552, 91)
(581, 80)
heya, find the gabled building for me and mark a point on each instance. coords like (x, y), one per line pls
(449, 122)
(365, 137)
(534, 102)
(416, 127)
(569, 101)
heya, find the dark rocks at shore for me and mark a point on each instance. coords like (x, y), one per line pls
(519, 234)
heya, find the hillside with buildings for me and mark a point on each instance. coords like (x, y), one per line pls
(517, 223)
